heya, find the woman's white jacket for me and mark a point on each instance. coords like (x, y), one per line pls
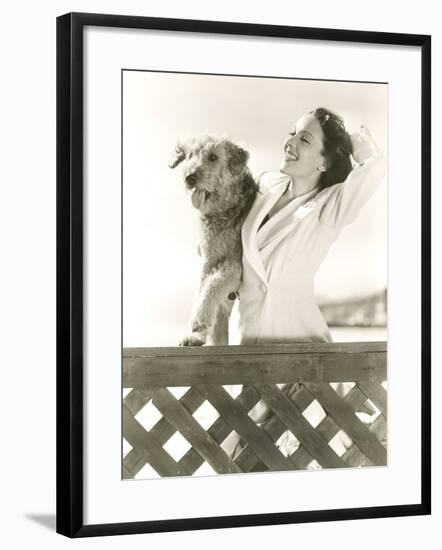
(276, 296)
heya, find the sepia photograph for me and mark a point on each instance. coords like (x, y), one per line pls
(254, 274)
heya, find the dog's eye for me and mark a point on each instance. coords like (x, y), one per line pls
(213, 157)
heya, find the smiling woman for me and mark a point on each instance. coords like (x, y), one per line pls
(298, 215)
(306, 204)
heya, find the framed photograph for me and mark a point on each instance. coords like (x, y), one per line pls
(243, 274)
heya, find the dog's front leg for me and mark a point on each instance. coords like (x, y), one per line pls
(205, 310)
(219, 335)
(215, 287)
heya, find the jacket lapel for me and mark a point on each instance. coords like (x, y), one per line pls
(262, 205)
(280, 225)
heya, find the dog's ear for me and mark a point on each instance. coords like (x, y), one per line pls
(238, 157)
(178, 156)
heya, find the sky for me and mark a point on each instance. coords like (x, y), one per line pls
(160, 227)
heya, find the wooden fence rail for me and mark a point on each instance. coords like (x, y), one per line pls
(337, 417)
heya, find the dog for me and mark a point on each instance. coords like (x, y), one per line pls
(223, 190)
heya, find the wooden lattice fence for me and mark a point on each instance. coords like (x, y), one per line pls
(150, 376)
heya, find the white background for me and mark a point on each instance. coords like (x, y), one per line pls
(28, 274)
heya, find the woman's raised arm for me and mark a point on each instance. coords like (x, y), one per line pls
(345, 199)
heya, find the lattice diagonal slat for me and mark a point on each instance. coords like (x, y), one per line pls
(162, 431)
(343, 414)
(313, 441)
(219, 431)
(237, 417)
(177, 415)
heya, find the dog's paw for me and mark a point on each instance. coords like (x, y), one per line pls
(194, 339)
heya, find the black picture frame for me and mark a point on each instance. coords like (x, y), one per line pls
(70, 423)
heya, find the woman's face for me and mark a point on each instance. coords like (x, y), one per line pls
(302, 149)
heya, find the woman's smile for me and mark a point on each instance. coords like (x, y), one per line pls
(290, 153)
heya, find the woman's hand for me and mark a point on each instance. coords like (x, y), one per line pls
(364, 146)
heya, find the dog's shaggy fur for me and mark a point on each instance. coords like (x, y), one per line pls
(223, 190)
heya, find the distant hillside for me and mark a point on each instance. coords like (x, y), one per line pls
(370, 311)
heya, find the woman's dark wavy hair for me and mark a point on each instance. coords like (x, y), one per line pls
(337, 147)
